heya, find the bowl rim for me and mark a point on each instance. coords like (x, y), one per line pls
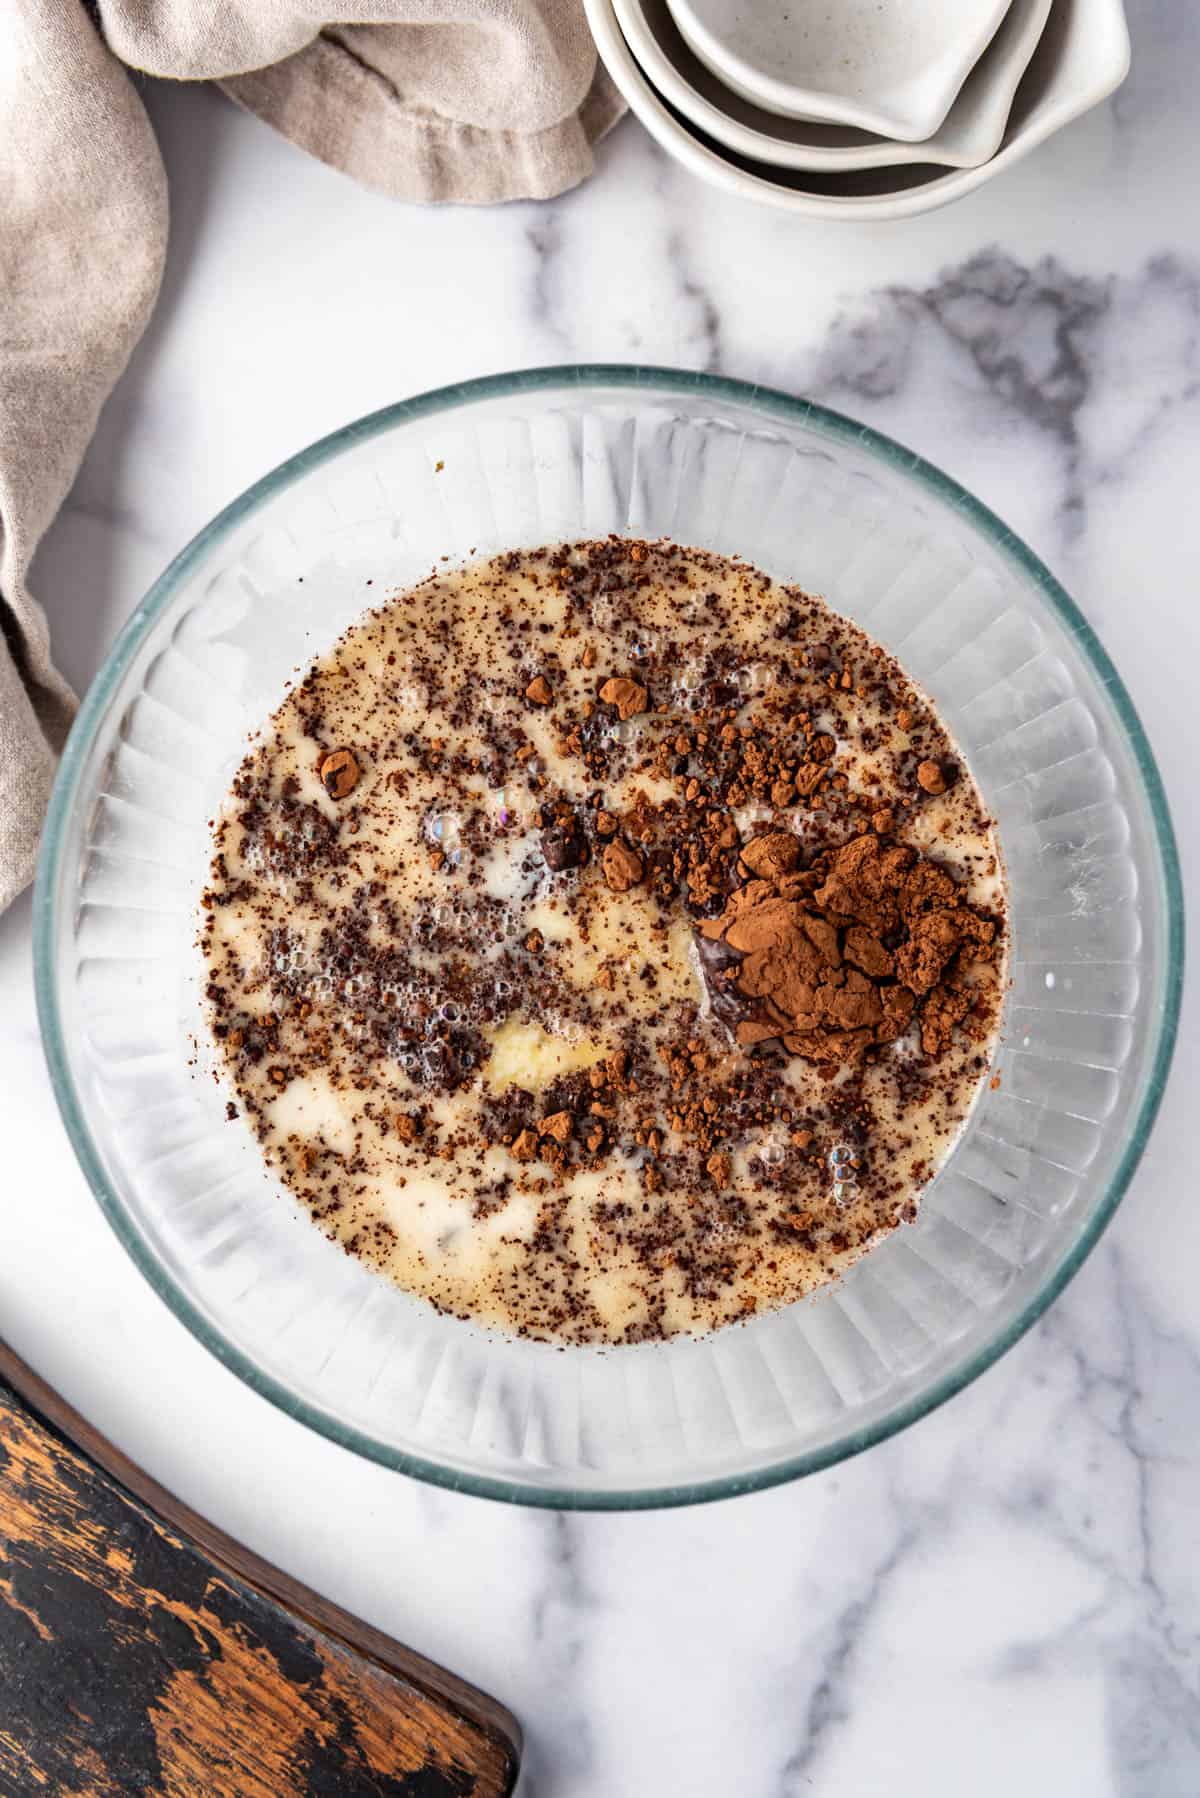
(717, 165)
(578, 378)
(766, 144)
(899, 112)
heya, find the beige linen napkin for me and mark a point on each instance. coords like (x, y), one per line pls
(460, 100)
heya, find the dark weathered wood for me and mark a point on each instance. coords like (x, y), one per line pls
(144, 1652)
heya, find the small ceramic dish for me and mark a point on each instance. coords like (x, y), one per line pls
(971, 133)
(894, 70)
(1083, 57)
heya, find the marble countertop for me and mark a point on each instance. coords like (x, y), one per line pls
(1008, 1595)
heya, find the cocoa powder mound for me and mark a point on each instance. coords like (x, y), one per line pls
(841, 957)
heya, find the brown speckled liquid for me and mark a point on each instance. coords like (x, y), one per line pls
(460, 942)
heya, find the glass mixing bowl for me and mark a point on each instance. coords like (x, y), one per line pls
(813, 498)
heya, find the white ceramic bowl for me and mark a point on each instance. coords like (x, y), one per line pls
(886, 67)
(1082, 58)
(971, 132)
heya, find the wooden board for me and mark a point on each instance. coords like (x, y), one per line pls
(142, 1650)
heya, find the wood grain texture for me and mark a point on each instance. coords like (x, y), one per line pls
(133, 1659)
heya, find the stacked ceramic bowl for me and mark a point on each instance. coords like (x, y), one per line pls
(858, 108)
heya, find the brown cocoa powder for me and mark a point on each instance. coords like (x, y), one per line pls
(810, 958)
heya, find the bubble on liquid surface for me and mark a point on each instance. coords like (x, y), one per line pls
(444, 831)
(845, 1176)
(559, 1025)
(773, 1150)
(754, 677)
(686, 687)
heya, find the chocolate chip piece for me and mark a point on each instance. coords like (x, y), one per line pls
(558, 1126)
(775, 852)
(564, 847)
(338, 773)
(715, 958)
(628, 697)
(808, 779)
(623, 867)
(749, 1031)
(439, 1066)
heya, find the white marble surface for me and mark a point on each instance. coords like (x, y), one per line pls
(1008, 1596)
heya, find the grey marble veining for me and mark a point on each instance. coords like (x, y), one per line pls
(1033, 347)
(1007, 1596)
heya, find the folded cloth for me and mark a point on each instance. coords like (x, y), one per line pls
(458, 100)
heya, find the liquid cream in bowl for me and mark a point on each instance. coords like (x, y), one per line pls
(604, 941)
